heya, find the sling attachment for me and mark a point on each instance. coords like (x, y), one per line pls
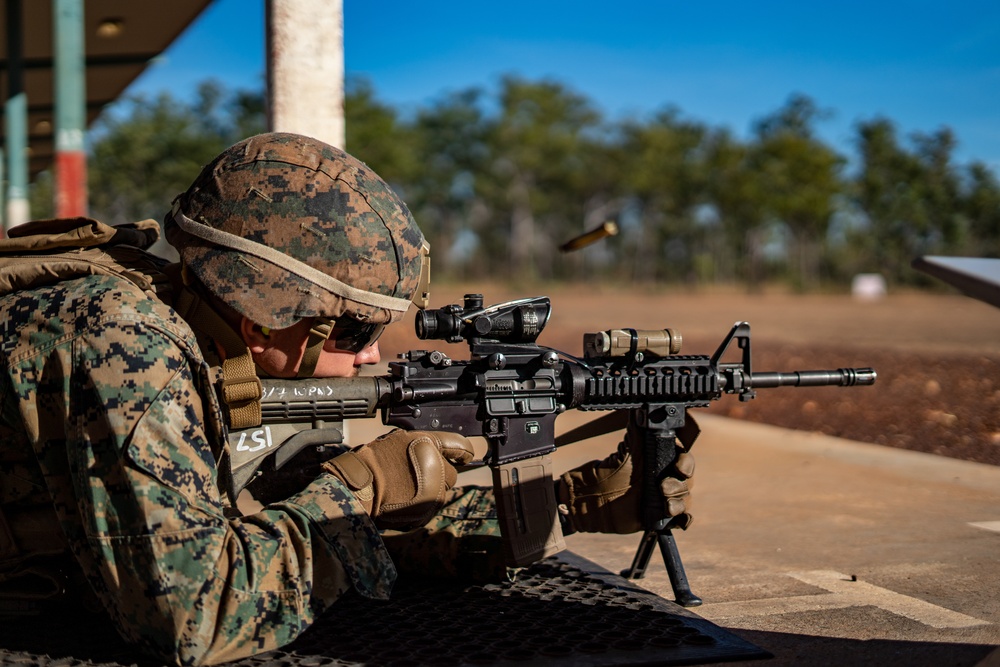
(240, 388)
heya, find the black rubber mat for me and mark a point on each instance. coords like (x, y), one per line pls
(562, 611)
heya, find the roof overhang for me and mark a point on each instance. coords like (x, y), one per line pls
(978, 277)
(121, 38)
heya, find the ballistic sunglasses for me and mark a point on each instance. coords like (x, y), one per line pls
(350, 335)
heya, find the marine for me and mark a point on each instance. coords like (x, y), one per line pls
(122, 376)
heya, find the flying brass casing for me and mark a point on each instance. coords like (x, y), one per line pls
(587, 238)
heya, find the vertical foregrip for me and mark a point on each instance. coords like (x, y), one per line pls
(656, 427)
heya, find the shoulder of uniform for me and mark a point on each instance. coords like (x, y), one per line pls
(72, 307)
(109, 298)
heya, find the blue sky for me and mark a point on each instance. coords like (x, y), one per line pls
(922, 64)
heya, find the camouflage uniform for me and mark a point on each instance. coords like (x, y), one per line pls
(112, 444)
(462, 541)
(107, 411)
(112, 438)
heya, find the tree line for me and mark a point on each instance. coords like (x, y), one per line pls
(499, 179)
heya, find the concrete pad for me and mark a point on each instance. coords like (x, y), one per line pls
(821, 550)
(816, 548)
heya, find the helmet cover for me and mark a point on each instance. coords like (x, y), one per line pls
(283, 227)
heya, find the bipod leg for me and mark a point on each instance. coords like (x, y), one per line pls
(675, 570)
(671, 561)
(638, 568)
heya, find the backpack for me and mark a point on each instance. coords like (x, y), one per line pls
(45, 252)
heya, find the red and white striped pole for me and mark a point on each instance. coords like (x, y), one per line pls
(71, 109)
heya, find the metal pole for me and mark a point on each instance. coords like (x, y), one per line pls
(305, 68)
(71, 109)
(16, 119)
(3, 196)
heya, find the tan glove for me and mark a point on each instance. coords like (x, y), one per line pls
(402, 478)
(606, 496)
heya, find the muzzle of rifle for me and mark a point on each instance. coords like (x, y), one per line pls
(842, 377)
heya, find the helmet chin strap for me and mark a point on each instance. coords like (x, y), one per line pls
(239, 388)
(319, 333)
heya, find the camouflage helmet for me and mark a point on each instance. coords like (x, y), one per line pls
(283, 227)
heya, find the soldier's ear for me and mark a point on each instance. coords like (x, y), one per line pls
(256, 337)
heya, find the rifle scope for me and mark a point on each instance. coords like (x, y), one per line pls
(519, 321)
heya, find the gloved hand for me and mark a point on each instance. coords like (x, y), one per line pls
(402, 477)
(606, 496)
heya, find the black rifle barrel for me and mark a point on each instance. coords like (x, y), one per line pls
(843, 377)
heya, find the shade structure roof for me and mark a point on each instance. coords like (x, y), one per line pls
(122, 38)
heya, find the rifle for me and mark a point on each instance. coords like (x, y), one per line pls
(510, 392)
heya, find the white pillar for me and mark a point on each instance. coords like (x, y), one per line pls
(16, 120)
(305, 68)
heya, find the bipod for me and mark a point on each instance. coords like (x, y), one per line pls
(671, 560)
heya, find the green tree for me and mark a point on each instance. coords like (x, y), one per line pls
(605, 196)
(734, 192)
(446, 194)
(980, 204)
(144, 154)
(911, 198)
(939, 188)
(883, 193)
(247, 110)
(666, 173)
(538, 169)
(800, 180)
(376, 136)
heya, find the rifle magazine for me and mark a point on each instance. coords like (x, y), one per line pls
(527, 508)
